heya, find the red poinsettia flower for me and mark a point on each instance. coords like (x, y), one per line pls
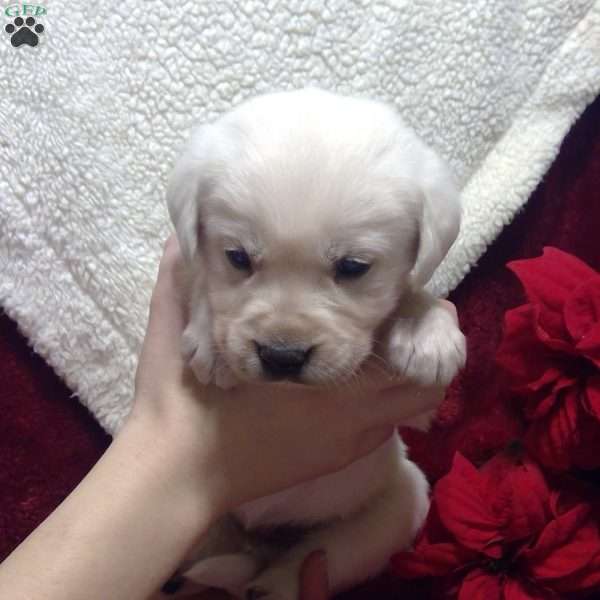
(551, 351)
(501, 533)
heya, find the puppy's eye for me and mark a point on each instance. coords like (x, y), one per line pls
(350, 268)
(239, 259)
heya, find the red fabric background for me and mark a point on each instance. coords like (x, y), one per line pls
(48, 441)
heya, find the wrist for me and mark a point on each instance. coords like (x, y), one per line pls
(127, 526)
(180, 467)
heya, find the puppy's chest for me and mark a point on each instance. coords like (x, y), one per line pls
(331, 496)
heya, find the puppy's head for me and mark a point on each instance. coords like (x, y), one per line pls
(311, 214)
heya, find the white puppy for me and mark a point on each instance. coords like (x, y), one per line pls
(310, 223)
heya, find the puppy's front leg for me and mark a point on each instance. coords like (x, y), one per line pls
(356, 547)
(424, 343)
(197, 340)
(221, 561)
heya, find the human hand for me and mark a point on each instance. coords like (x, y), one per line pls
(254, 440)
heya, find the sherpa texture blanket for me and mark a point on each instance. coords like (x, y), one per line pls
(48, 442)
(92, 116)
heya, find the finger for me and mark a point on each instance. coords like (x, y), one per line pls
(169, 272)
(167, 315)
(313, 577)
(396, 404)
(373, 438)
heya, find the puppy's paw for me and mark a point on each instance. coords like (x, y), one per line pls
(278, 583)
(224, 377)
(197, 352)
(429, 349)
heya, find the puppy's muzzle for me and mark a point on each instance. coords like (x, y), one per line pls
(282, 361)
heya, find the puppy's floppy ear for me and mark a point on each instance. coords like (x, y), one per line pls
(190, 182)
(439, 220)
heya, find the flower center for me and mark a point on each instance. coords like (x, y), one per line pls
(498, 565)
(580, 368)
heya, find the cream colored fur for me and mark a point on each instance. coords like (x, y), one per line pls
(299, 181)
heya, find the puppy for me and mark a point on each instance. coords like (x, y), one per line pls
(310, 223)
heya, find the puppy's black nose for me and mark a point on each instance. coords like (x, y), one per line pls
(280, 360)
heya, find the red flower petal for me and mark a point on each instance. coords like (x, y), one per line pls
(589, 345)
(551, 440)
(566, 556)
(591, 398)
(548, 280)
(563, 345)
(582, 308)
(465, 510)
(586, 453)
(517, 490)
(431, 560)
(434, 532)
(545, 559)
(543, 394)
(517, 590)
(521, 353)
(479, 585)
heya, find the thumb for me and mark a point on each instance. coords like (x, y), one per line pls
(313, 577)
(398, 403)
(373, 438)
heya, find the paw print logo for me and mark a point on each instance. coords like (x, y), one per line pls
(24, 32)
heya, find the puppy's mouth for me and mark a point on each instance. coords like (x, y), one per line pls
(313, 362)
(288, 381)
(285, 365)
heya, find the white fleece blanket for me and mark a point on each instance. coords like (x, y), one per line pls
(92, 117)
